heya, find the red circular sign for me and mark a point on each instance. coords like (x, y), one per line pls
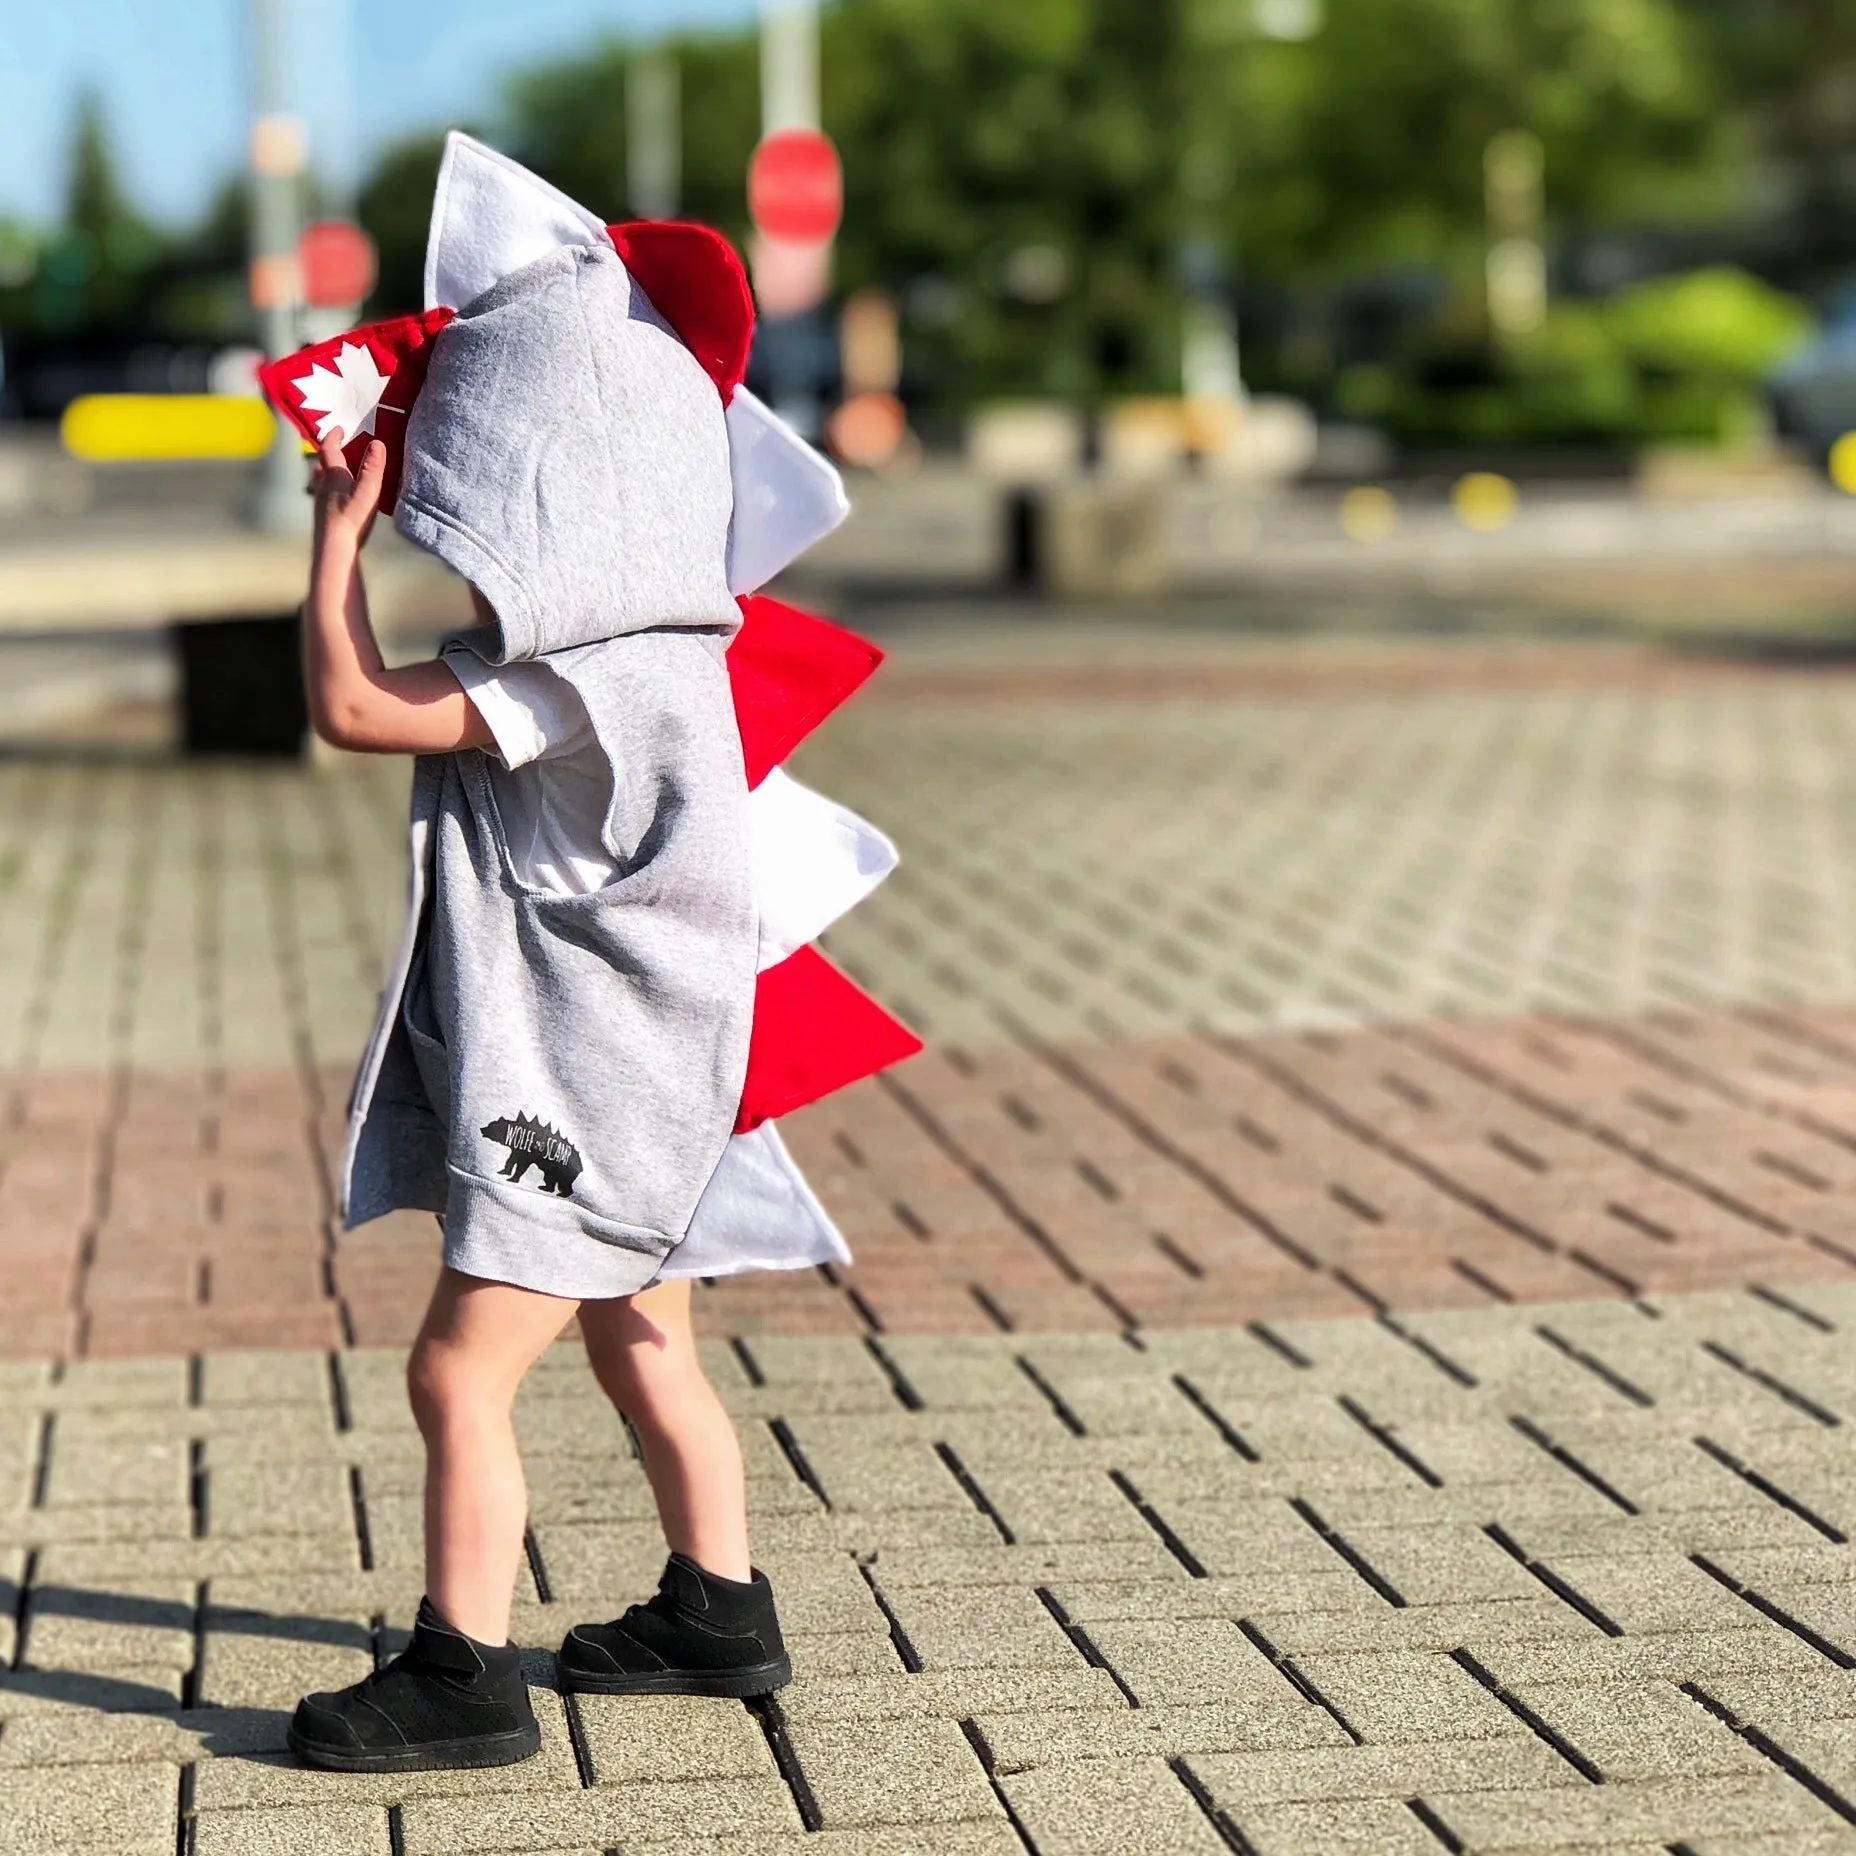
(796, 187)
(338, 264)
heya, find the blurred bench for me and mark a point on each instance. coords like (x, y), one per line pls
(231, 602)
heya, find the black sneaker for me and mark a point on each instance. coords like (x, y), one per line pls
(445, 1701)
(699, 1636)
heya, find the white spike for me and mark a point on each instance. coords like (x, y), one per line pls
(491, 216)
(787, 496)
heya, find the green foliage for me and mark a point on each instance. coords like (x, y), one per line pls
(1035, 178)
(92, 270)
(395, 209)
(1109, 136)
(1676, 358)
(1718, 322)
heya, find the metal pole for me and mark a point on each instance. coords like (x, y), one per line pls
(653, 134)
(276, 285)
(788, 65)
(789, 100)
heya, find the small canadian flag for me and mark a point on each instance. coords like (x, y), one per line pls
(358, 386)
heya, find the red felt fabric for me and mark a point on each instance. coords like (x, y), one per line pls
(814, 1031)
(695, 279)
(789, 670)
(401, 350)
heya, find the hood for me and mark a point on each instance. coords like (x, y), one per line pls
(569, 456)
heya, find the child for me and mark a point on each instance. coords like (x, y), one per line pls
(598, 930)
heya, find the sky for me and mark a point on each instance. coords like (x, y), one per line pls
(172, 77)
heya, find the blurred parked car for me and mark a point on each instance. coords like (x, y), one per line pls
(1814, 393)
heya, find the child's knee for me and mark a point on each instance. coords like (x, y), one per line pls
(444, 1383)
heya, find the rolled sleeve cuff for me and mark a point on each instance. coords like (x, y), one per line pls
(513, 726)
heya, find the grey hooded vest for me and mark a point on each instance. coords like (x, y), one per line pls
(559, 1075)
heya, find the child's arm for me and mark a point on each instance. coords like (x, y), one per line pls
(354, 700)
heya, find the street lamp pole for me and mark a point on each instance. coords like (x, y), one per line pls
(788, 65)
(276, 160)
(789, 86)
(653, 134)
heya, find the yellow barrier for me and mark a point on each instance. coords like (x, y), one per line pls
(1484, 501)
(1843, 463)
(120, 428)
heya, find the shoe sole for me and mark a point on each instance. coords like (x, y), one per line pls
(436, 1756)
(733, 1684)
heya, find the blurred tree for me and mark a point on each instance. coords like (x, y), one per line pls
(395, 209)
(1789, 73)
(1035, 177)
(1364, 146)
(1040, 179)
(89, 272)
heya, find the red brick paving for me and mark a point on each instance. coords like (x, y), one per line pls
(1185, 1179)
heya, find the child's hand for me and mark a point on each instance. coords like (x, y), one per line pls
(347, 501)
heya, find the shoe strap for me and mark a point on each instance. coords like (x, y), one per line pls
(435, 1645)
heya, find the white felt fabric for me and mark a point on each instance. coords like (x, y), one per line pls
(757, 1213)
(786, 495)
(814, 860)
(491, 216)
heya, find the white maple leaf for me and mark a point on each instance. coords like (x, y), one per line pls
(347, 396)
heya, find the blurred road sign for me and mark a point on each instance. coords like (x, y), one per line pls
(796, 187)
(338, 264)
(112, 428)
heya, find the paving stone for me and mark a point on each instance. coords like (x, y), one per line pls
(1111, 1805)
(1195, 1660)
(849, 1653)
(643, 1738)
(950, 1693)
(1242, 1780)
(1670, 1655)
(303, 1830)
(1640, 1730)
(121, 1808)
(264, 1377)
(1401, 1696)
(898, 1771)
(148, 1625)
(1018, 1742)
(675, 1813)
(1423, 1627)
(84, 1737)
(1663, 1810)
(1377, 1824)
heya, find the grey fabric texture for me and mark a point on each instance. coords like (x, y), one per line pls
(559, 1075)
(569, 456)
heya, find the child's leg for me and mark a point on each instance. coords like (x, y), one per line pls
(712, 1628)
(644, 1355)
(476, 1342)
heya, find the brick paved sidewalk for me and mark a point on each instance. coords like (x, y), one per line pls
(1503, 1580)
(1347, 1347)
(1197, 1178)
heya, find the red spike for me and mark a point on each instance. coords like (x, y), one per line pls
(694, 278)
(814, 1031)
(789, 670)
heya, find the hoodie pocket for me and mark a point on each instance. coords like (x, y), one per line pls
(427, 1037)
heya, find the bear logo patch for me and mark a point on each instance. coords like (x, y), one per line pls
(533, 1143)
